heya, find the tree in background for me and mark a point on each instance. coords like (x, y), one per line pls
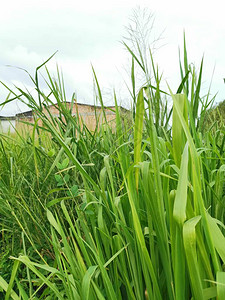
(215, 117)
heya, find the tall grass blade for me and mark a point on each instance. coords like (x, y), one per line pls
(189, 234)
(220, 278)
(178, 134)
(179, 210)
(138, 130)
(198, 200)
(5, 286)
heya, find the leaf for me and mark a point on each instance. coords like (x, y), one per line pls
(73, 190)
(210, 293)
(85, 287)
(57, 200)
(52, 221)
(51, 152)
(4, 285)
(138, 130)
(63, 164)
(13, 274)
(179, 138)
(217, 237)
(179, 210)
(89, 212)
(199, 205)
(220, 278)
(181, 86)
(21, 290)
(46, 280)
(66, 178)
(189, 237)
(58, 178)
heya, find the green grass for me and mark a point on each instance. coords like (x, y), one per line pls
(135, 212)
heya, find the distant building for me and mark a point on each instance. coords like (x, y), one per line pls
(88, 114)
(7, 124)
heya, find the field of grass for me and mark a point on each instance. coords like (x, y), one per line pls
(135, 212)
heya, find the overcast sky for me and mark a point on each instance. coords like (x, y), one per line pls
(90, 32)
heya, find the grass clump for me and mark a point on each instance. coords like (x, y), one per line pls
(131, 212)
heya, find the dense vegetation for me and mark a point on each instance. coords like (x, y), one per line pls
(134, 211)
(215, 117)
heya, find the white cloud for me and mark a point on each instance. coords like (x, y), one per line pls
(88, 32)
(21, 56)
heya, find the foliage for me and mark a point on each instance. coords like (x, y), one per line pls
(135, 212)
(215, 117)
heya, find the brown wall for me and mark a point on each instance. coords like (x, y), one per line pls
(87, 113)
(21, 127)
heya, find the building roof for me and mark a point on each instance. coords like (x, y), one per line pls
(28, 113)
(5, 118)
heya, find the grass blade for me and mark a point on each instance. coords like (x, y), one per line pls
(138, 130)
